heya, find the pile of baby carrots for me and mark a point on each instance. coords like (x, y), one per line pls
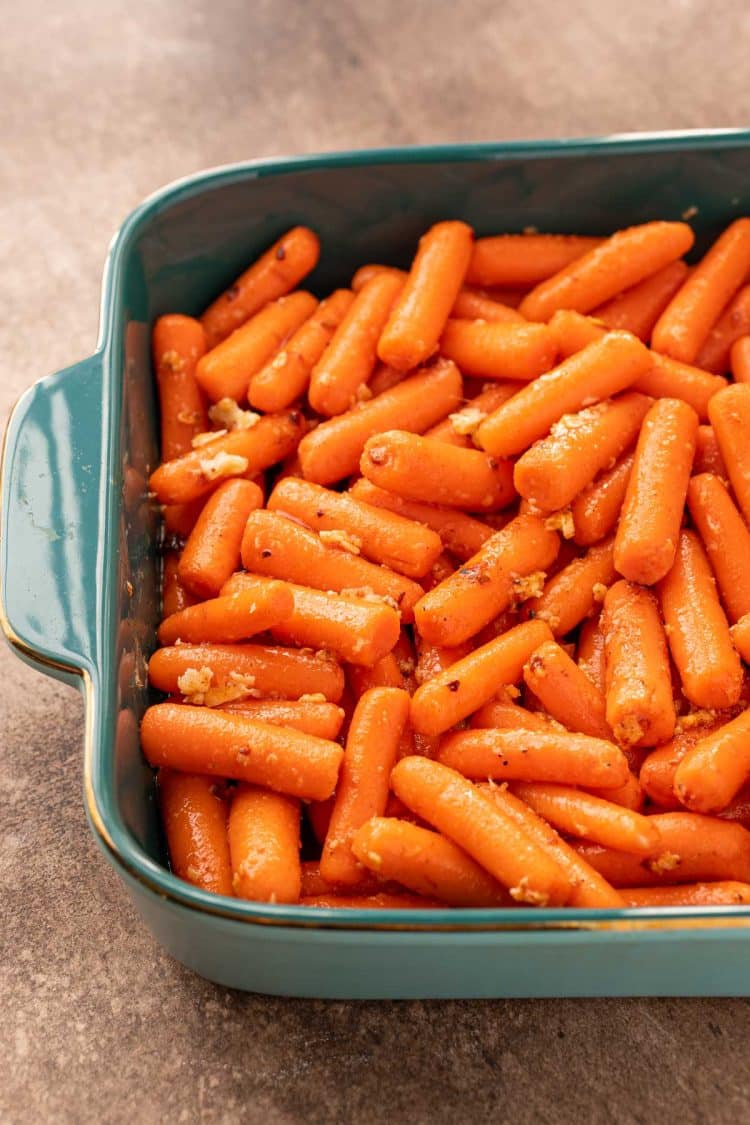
(457, 576)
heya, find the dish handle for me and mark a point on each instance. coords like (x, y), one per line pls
(51, 477)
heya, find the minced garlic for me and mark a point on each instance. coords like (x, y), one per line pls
(562, 522)
(337, 537)
(466, 421)
(207, 437)
(224, 465)
(227, 413)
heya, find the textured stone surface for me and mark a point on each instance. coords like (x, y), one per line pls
(100, 104)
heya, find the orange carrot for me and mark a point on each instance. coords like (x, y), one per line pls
(524, 259)
(684, 325)
(457, 428)
(362, 791)
(504, 714)
(174, 595)
(478, 591)
(386, 673)
(600, 370)
(286, 376)
(640, 708)
(474, 304)
(332, 450)
(472, 820)
(580, 814)
(383, 378)
(697, 629)
(716, 767)
(381, 901)
(565, 692)
(725, 892)
(726, 539)
(491, 349)
(423, 469)
(739, 360)
(620, 262)
(741, 637)
(372, 269)
(202, 740)
(212, 550)
(229, 619)
(590, 653)
(575, 590)
(348, 361)
(314, 885)
(264, 845)
(311, 716)
(180, 519)
(358, 631)
(638, 308)
(178, 343)
(436, 275)
(596, 509)
(195, 824)
(277, 271)
(434, 659)
(649, 526)
(660, 765)
(732, 325)
(729, 412)
(707, 456)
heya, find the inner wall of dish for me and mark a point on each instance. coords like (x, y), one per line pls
(184, 251)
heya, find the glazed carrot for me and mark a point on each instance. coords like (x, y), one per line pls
(684, 325)
(716, 767)
(425, 862)
(212, 551)
(423, 469)
(600, 370)
(362, 791)
(419, 315)
(574, 591)
(491, 349)
(640, 708)
(174, 596)
(484, 586)
(358, 631)
(472, 820)
(628, 796)
(596, 509)
(229, 619)
(313, 883)
(565, 692)
(741, 637)
(348, 361)
(381, 901)
(524, 259)
(457, 428)
(739, 360)
(462, 535)
(588, 886)
(469, 683)
(624, 259)
(707, 456)
(725, 892)
(332, 450)
(240, 453)
(283, 673)
(504, 714)
(473, 304)
(695, 848)
(286, 376)
(697, 629)
(366, 273)
(195, 824)
(554, 470)
(386, 673)
(590, 652)
(729, 412)
(204, 740)
(384, 537)
(732, 325)
(277, 271)
(277, 546)
(180, 519)
(660, 765)
(433, 660)
(647, 534)
(638, 308)
(264, 845)
(580, 814)
(311, 716)
(726, 539)
(178, 342)
(535, 755)
(383, 378)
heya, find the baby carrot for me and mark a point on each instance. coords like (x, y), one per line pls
(461, 535)
(358, 631)
(311, 716)
(178, 343)
(729, 412)
(229, 619)
(419, 315)
(504, 714)
(313, 883)
(180, 519)
(425, 862)
(174, 596)
(707, 456)
(491, 349)
(286, 376)
(580, 814)
(283, 673)
(739, 360)
(684, 325)
(472, 820)
(726, 539)
(423, 469)
(473, 304)
(640, 708)
(386, 673)
(732, 325)
(524, 259)
(727, 892)
(264, 845)
(554, 470)
(535, 755)
(649, 527)
(349, 360)
(638, 308)
(697, 629)
(332, 450)
(660, 765)
(483, 587)
(624, 259)
(596, 509)
(277, 546)
(741, 637)
(384, 537)
(434, 659)
(590, 652)
(195, 824)
(565, 692)
(277, 271)
(240, 453)
(464, 686)
(572, 593)
(716, 767)
(457, 428)
(600, 370)
(380, 901)
(362, 791)
(366, 273)
(383, 378)
(204, 740)
(212, 551)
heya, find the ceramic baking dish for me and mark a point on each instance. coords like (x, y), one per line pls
(80, 552)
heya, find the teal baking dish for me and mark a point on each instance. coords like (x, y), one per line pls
(79, 552)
